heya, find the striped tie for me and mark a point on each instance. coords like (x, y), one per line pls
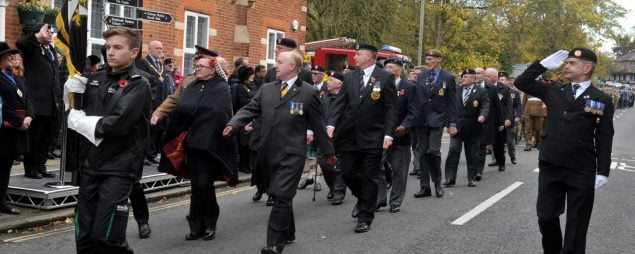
(466, 94)
(285, 89)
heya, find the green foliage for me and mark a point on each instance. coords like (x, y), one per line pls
(29, 6)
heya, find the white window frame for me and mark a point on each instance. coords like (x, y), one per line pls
(192, 50)
(271, 59)
(100, 41)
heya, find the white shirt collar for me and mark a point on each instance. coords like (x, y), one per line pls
(368, 72)
(397, 80)
(319, 86)
(291, 81)
(583, 86)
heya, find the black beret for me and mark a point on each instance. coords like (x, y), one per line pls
(287, 42)
(468, 71)
(349, 67)
(395, 61)
(168, 61)
(367, 47)
(503, 74)
(93, 59)
(434, 53)
(244, 72)
(6, 50)
(203, 51)
(337, 75)
(584, 54)
(318, 68)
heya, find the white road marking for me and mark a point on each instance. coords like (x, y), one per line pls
(537, 170)
(486, 204)
(613, 164)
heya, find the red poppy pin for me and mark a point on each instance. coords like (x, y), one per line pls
(402, 92)
(123, 83)
(372, 80)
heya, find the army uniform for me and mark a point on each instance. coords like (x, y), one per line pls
(534, 111)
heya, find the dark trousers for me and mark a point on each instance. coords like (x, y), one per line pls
(6, 162)
(333, 179)
(39, 138)
(555, 186)
(360, 171)
(500, 138)
(415, 151)
(281, 226)
(204, 209)
(399, 157)
(154, 138)
(101, 215)
(259, 175)
(429, 146)
(244, 159)
(454, 155)
(511, 142)
(139, 204)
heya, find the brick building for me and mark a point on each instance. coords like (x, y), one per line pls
(235, 28)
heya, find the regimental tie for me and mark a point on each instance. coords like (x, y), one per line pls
(575, 89)
(284, 89)
(361, 80)
(431, 78)
(466, 94)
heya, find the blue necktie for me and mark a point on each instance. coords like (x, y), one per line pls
(575, 89)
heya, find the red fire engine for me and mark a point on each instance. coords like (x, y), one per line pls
(335, 54)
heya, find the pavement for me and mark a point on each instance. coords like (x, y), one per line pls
(497, 216)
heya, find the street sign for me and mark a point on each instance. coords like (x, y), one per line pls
(154, 16)
(119, 21)
(135, 3)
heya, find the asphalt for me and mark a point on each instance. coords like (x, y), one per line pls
(422, 226)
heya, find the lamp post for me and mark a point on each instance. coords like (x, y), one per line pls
(420, 48)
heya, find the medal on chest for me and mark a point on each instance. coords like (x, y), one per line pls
(442, 90)
(376, 93)
(296, 108)
(475, 104)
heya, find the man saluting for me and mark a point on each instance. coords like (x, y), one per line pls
(576, 148)
(287, 108)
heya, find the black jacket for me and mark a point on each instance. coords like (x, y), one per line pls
(477, 104)
(41, 72)
(437, 108)
(16, 104)
(406, 109)
(241, 96)
(204, 108)
(158, 88)
(574, 138)
(495, 116)
(362, 121)
(124, 127)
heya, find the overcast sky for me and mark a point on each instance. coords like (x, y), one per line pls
(628, 22)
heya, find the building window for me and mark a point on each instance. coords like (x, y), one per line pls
(196, 33)
(272, 37)
(98, 11)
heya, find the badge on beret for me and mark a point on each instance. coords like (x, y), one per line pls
(577, 53)
(357, 47)
(19, 93)
(475, 103)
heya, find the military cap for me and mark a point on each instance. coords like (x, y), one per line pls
(434, 53)
(503, 74)
(337, 75)
(318, 68)
(6, 50)
(584, 54)
(367, 47)
(93, 59)
(349, 67)
(395, 61)
(287, 42)
(468, 72)
(168, 61)
(200, 50)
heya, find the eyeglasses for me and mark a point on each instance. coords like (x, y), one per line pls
(196, 67)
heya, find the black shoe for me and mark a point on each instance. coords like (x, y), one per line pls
(394, 209)
(271, 250)
(414, 173)
(153, 160)
(193, 236)
(50, 156)
(501, 168)
(527, 149)
(209, 234)
(388, 186)
(33, 175)
(355, 212)
(15, 163)
(144, 230)
(257, 196)
(305, 183)
(449, 183)
(493, 164)
(425, 192)
(336, 202)
(478, 177)
(290, 239)
(514, 161)
(471, 184)
(380, 205)
(488, 151)
(270, 201)
(438, 191)
(329, 196)
(146, 163)
(10, 210)
(47, 175)
(362, 227)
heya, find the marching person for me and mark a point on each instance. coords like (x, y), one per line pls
(500, 135)
(363, 121)
(16, 118)
(204, 108)
(437, 91)
(242, 92)
(493, 123)
(472, 110)
(534, 114)
(517, 112)
(41, 72)
(332, 175)
(114, 120)
(399, 154)
(575, 155)
(287, 109)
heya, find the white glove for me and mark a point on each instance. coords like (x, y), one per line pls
(600, 180)
(75, 84)
(85, 125)
(555, 60)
